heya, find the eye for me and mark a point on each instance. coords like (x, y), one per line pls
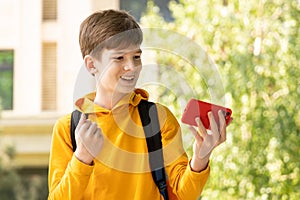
(119, 58)
(137, 57)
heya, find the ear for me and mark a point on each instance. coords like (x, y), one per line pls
(89, 62)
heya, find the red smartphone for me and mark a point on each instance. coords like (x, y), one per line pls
(196, 108)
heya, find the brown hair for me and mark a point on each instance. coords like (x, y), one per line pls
(108, 29)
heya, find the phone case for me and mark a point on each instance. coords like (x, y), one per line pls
(196, 108)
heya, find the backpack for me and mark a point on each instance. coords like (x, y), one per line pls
(153, 144)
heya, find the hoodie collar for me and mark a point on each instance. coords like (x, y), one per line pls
(86, 104)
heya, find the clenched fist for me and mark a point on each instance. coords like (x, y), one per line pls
(89, 140)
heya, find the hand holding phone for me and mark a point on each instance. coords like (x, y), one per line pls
(196, 108)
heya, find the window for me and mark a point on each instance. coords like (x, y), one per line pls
(6, 79)
(49, 76)
(138, 8)
(49, 10)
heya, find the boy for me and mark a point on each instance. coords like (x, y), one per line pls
(111, 158)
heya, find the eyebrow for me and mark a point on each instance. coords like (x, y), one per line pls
(122, 52)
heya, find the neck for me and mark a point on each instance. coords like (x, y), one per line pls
(107, 100)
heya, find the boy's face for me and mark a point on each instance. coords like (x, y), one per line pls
(118, 70)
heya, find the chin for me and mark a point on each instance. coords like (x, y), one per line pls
(126, 90)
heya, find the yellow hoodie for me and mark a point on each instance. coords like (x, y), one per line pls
(121, 171)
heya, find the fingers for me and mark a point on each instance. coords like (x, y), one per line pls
(201, 127)
(89, 127)
(222, 120)
(82, 120)
(86, 126)
(89, 140)
(222, 126)
(204, 142)
(92, 127)
(198, 138)
(98, 132)
(213, 124)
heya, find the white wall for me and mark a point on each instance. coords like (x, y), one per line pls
(27, 65)
(23, 30)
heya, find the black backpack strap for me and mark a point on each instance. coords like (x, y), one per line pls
(75, 117)
(149, 118)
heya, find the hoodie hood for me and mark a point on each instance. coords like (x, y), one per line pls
(86, 104)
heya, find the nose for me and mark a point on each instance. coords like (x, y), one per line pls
(127, 68)
(130, 65)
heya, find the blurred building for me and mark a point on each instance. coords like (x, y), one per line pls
(41, 37)
(39, 62)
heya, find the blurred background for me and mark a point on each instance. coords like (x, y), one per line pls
(254, 44)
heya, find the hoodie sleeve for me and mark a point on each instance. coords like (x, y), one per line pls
(67, 177)
(185, 183)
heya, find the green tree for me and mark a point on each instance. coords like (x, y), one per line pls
(10, 182)
(256, 46)
(6, 79)
(15, 185)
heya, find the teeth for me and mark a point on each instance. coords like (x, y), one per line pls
(128, 78)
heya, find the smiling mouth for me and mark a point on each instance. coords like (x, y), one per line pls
(127, 78)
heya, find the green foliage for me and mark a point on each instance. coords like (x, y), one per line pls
(6, 89)
(17, 186)
(256, 46)
(6, 79)
(10, 182)
(13, 184)
(6, 56)
(35, 185)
